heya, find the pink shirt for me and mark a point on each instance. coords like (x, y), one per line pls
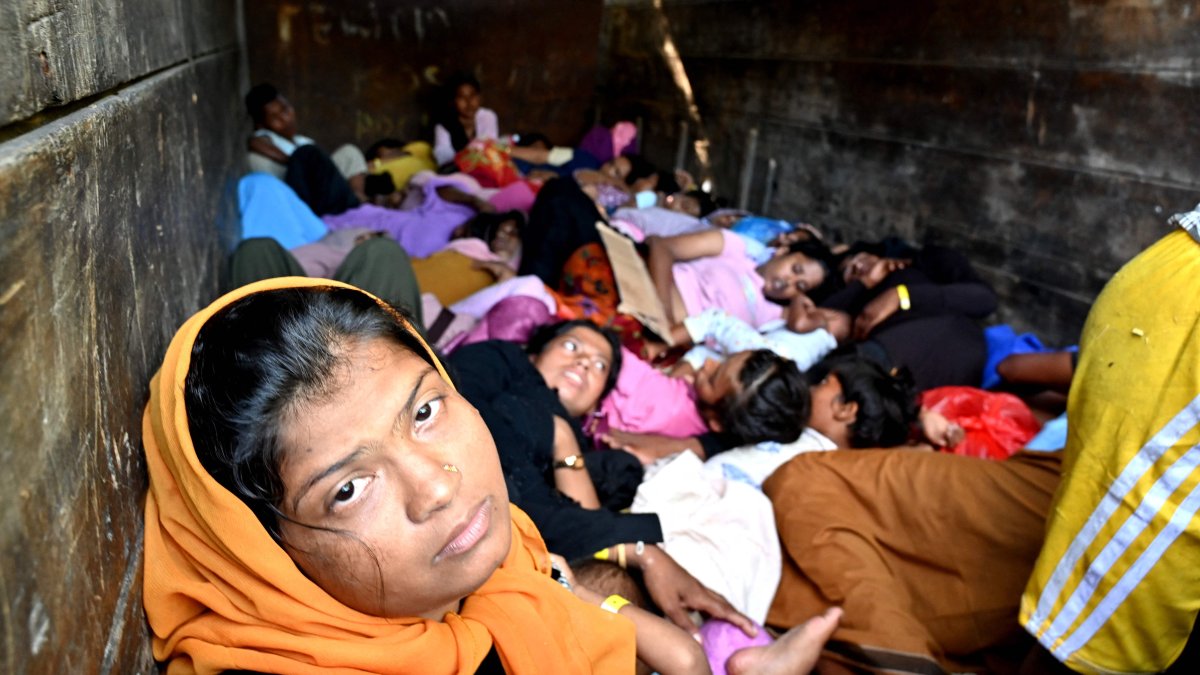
(650, 402)
(729, 281)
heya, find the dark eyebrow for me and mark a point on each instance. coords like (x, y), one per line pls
(323, 474)
(406, 411)
(343, 462)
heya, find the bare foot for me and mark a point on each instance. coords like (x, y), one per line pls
(796, 651)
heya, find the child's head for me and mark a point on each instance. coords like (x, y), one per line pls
(386, 148)
(605, 577)
(320, 409)
(503, 232)
(754, 396)
(696, 203)
(579, 360)
(855, 401)
(804, 316)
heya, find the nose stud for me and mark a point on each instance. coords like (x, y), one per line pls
(450, 468)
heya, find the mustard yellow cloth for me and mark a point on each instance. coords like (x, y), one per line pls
(450, 276)
(1117, 585)
(220, 594)
(402, 169)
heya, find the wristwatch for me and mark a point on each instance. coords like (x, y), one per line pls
(572, 462)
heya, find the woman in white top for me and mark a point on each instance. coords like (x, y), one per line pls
(463, 119)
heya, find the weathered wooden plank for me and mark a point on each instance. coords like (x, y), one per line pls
(358, 72)
(54, 53)
(114, 222)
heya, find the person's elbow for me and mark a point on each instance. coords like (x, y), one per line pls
(689, 659)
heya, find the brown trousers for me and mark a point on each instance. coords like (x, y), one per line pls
(926, 553)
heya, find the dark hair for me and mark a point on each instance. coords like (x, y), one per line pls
(379, 184)
(254, 361)
(485, 225)
(887, 401)
(257, 100)
(707, 205)
(533, 138)
(639, 168)
(541, 337)
(448, 116)
(606, 578)
(814, 249)
(373, 151)
(773, 404)
(666, 182)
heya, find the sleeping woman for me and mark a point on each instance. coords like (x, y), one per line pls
(712, 269)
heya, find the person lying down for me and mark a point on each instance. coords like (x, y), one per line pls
(322, 500)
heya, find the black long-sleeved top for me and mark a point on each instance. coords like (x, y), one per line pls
(937, 339)
(519, 409)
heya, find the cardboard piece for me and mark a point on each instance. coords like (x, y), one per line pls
(636, 288)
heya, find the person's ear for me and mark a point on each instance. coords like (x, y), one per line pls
(846, 412)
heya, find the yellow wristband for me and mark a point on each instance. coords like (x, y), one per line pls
(613, 603)
(602, 554)
(905, 299)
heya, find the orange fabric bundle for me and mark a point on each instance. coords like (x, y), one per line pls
(220, 594)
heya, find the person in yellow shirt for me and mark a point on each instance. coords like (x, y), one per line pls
(1116, 587)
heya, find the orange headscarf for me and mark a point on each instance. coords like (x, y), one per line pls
(220, 594)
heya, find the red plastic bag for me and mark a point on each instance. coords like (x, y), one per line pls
(996, 425)
(488, 162)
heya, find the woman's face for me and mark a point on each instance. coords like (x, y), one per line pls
(506, 242)
(856, 266)
(716, 380)
(617, 167)
(402, 476)
(576, 365)
(787, 275)
(467, 101)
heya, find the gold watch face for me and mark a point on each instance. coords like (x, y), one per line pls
(572, 462)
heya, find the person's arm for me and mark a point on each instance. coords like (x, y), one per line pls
(848, 298)
(454, 195)
(487, 124)
(675, 591)
(572, 481)
(661, 645)
(262, 145)
(666, 251)
(649, 448)
(730, 334)
(957, 287)
(586, 177)
(443, 149)
(1052, 370)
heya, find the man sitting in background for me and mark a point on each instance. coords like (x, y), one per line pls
(327, 183)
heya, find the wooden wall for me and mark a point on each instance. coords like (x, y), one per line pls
(118, 155)
(1049, 140)
(360, 71)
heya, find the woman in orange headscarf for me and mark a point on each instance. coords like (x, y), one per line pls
(322, 500)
